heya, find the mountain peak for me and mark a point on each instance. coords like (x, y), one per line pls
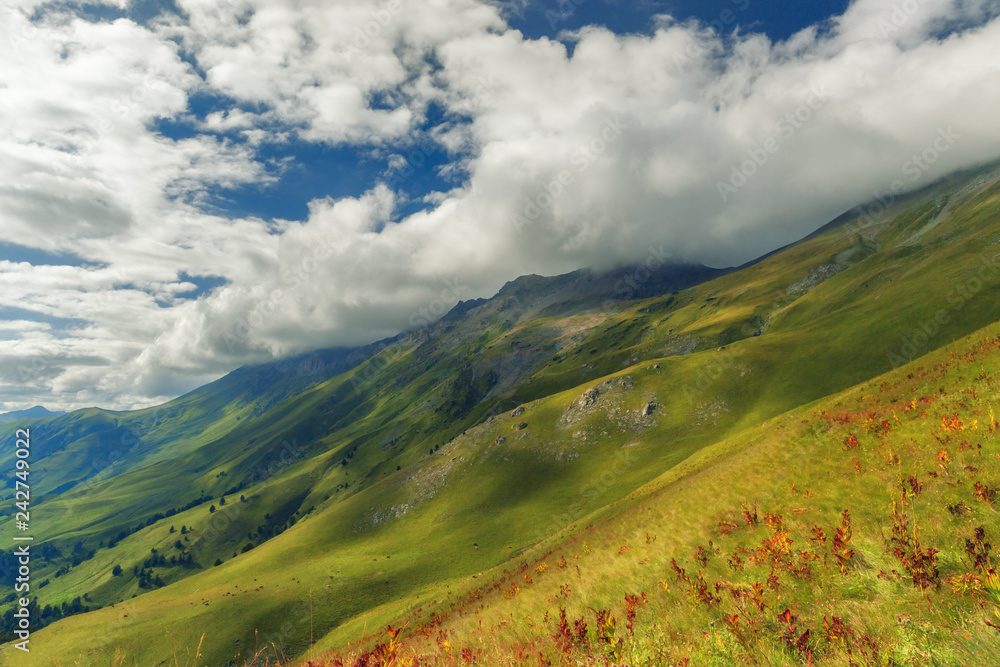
(35, 412)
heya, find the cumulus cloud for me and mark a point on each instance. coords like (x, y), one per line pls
(317, 66)
(583, 151)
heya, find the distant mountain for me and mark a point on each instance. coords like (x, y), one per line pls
(342, 490)
(37, 412)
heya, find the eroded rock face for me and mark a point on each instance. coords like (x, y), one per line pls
(594, 396)
(816, 276)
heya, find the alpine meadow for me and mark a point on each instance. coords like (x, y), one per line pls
(473, 332)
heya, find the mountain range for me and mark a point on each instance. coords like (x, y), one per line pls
(36, 412)
(553, 433)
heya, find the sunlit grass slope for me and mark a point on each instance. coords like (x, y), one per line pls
(859, 530)
(380, 490)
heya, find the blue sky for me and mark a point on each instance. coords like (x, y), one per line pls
(778, 20)
(311, 171)
(305, 170)
(191, 186)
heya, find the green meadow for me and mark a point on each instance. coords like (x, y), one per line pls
(654, 468)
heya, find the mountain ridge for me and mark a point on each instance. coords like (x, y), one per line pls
(35, 412)
(425, 437)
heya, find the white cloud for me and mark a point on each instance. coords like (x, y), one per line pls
(601, 154)
(318, 66)
(909, 22)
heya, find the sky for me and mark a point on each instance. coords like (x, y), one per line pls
(188, 186)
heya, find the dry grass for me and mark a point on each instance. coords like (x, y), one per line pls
(843, 534)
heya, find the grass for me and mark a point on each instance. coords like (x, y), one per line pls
(398, 490)
(733, 557)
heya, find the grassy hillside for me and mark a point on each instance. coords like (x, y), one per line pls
(360, 497)
(857, 530)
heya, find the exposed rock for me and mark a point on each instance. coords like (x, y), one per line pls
(647, 410)
(709, 412)
(500, 440)
(818, 275)
(518, 411)
(679, 346)
(422, 485)
(521, 426)
(591, 396)
(591, 399)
